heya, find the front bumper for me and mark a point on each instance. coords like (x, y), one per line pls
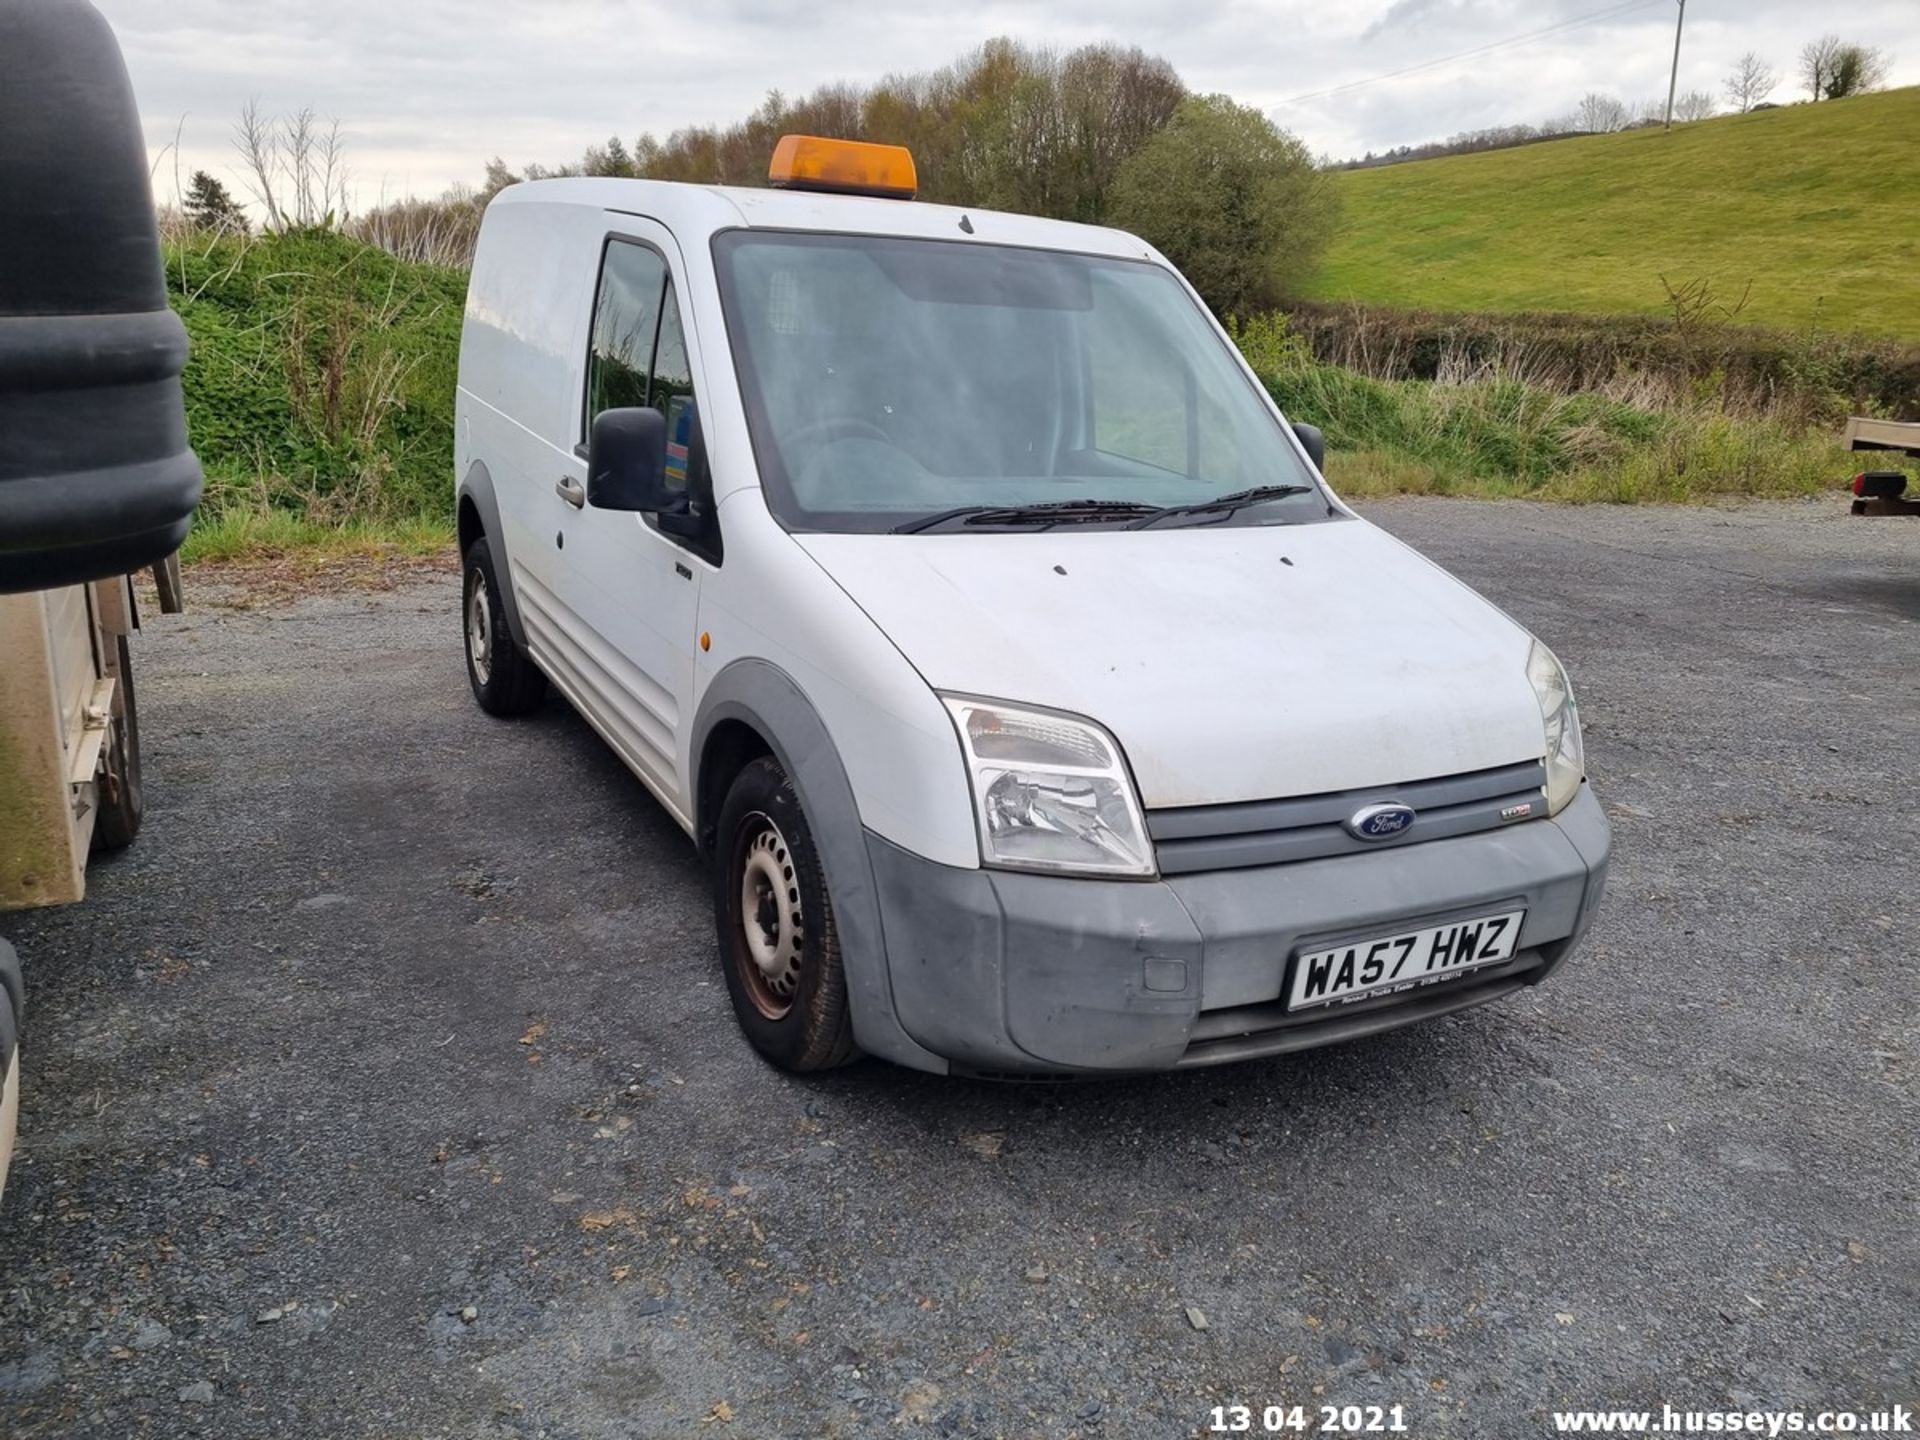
(1009, 974)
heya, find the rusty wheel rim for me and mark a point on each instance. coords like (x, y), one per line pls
(769, 938)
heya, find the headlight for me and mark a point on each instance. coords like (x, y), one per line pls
(1050, 792)
(1566, 756)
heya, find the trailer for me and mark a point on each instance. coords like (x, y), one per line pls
(1883, 492)
(69, 734)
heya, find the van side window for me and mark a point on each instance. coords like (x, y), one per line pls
(626, 322)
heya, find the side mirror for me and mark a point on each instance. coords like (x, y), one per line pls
(627, 463)
(1315, 443)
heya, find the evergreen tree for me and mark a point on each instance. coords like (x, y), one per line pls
(209, 206)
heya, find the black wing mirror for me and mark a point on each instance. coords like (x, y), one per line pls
(1315, 444)
(627, 463)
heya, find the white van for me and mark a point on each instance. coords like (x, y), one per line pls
(953, 582)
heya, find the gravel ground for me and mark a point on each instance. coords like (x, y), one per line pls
(388, 1087)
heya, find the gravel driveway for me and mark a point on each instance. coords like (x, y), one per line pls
(388, 1087)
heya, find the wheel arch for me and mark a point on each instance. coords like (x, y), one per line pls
(478, 515)
(753, 708)
(733, 743)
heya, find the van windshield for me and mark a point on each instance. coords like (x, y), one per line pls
(891, 382)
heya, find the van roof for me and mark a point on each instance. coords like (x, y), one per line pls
(695, 212)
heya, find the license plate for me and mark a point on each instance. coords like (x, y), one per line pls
(1365, 969)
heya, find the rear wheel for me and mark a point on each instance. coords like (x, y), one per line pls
(122, 799)
(778, 941)
(505, 681)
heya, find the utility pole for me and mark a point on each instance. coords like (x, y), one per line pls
(1673, 80)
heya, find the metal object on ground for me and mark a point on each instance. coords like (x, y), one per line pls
(96, 477)
(1883, 492)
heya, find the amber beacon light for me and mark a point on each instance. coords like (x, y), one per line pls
(843, 167)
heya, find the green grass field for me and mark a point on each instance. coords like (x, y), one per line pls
(1817, 205)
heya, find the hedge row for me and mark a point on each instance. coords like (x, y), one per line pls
(1812, 376)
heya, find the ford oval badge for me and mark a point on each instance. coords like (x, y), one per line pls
(1381, 822)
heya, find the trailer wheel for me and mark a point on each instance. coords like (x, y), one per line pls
(122, 800)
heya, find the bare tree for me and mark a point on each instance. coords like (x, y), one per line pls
(1750, 81)
(1856, 69)
(297, 144)
(1816, 64)
(442, 231)
(256, 139)
(294, 165)
(333, 174)
(1695, 105)
(1693, 304)
(1600, 114)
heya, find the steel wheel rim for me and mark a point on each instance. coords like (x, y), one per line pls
(770, 935)
(479, 629)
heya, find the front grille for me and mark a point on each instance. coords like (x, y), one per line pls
(1312, 827)
(1247, 1032)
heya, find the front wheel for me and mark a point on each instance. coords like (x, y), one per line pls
(778, 942)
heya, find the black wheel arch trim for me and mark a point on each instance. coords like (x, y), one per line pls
(765, 698)
(476, 488)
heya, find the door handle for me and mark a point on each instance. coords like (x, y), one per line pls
(571, 491)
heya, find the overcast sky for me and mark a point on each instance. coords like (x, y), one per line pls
(427, 90)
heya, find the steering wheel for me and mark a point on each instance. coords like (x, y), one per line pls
(838, 427)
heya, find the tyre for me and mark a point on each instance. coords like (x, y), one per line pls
(121, 796)
(505, 681)
(778, 942)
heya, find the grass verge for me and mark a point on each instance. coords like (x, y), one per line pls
(239, 535)
(1489, 433)
(1503, 438)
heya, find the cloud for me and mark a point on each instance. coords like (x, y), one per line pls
(428, 90)
(1406, 15)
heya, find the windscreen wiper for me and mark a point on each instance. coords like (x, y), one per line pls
(1225, 504)
(1044, 514)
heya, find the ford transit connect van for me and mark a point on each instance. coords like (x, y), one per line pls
(952, 581)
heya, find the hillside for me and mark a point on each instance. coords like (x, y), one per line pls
(1817, 205)
(321, 377)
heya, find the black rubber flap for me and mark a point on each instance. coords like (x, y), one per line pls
(96, 477)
